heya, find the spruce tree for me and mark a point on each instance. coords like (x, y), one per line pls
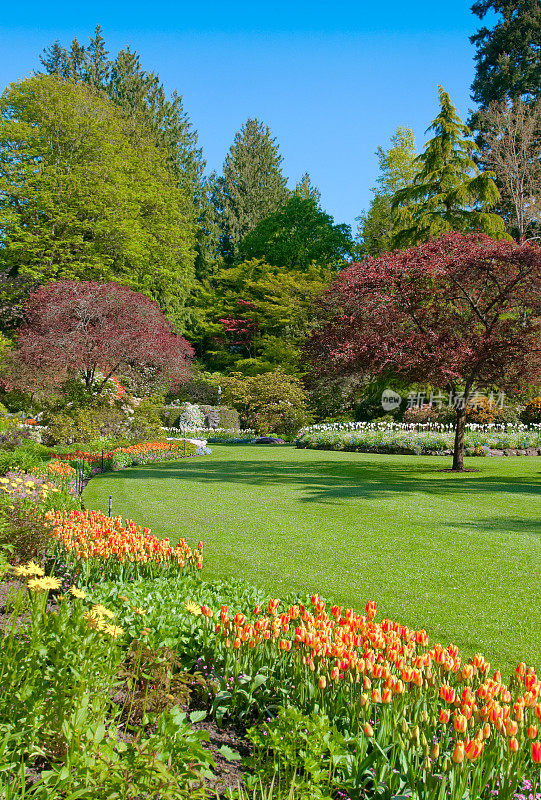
(252, 185)
(448, 191)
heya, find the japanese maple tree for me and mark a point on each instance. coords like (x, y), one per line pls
(461, 312)
(96, 330)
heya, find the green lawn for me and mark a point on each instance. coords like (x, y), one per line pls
(459, 555)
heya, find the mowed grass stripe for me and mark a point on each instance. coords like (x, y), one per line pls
(459, 555)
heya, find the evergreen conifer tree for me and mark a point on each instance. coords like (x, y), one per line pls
(448, 191)
(306, 190)
(252, 185)
(508, 64)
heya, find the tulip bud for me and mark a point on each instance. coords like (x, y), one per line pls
(513, 744)
(458, 753)
(531, 733)
(435, 752)
(368, 730)
(405, 727)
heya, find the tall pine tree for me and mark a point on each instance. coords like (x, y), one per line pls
(252, 185)
(448, 191)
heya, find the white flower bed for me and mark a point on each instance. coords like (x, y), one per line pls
(427, 438)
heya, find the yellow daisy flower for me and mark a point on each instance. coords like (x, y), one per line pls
(140, 611)
(34, 569)
(78, 593)
(193, 608)
(94, 622)
(101, 611)
(43, 584)
(113, 630)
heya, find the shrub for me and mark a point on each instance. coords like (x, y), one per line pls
(532, 411)
(421, 415)
(190, 416)
(22, 534)
(105, 418)
(271, 402)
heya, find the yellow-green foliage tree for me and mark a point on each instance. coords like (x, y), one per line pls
(273, 402)
(86, 194)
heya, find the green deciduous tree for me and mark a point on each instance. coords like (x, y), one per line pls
(448, 191)
(298, 235)
(255, 316)
(380, 222)
(252, 185)
(85, 193)
(141, 95)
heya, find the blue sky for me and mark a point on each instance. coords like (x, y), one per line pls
(332, 80)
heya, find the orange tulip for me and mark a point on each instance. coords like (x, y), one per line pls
(386, 695)
(461, 723)
(513, 745)
(473, 750)
(322, 682)
(536, 752)
(458, 753)
(447, 693)
(531, 733)
(371, 609)
(445, 715)
(368, 730)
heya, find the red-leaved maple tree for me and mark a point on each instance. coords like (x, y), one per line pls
(461, 312)
(95, 330)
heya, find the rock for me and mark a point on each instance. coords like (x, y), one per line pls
(532, 451)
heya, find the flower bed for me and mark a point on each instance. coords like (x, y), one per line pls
(213, 434)
(429, 439)
(143, 453)
(99, 544)
(427, 719)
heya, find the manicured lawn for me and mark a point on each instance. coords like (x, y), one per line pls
(459, 555)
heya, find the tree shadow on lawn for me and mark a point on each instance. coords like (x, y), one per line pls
(329, 482)
(503, 525)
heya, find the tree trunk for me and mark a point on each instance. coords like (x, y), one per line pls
(458, 454)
